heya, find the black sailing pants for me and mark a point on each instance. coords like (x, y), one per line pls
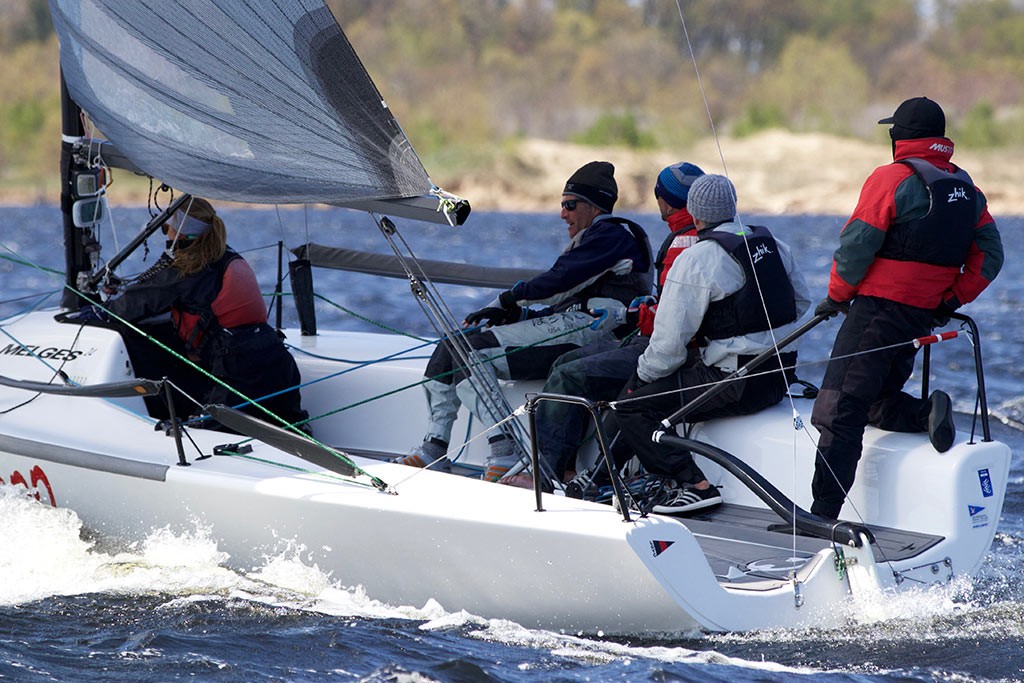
(863, 385)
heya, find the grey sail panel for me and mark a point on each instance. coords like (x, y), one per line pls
(243, 100)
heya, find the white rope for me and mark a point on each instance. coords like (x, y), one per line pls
(798, 422)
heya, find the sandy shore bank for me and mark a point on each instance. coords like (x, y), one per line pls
(775, 173)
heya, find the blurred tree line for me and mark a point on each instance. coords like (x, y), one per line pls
(466, 76)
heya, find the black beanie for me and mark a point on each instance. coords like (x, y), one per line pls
(594, 182)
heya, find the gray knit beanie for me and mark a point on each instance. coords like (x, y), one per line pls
(712, 199)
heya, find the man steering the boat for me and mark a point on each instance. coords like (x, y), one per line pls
(726, 299)
(583, 298)
(920, 244)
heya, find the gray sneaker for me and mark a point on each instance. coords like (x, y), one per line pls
(428, 454)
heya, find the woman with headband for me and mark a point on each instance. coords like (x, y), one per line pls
(217, 313)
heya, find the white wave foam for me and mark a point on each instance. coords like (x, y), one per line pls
(48, 557)
(45, 555)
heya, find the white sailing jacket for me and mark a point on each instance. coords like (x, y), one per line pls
(704, 273)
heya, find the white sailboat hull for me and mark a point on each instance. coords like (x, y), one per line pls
(471, 545)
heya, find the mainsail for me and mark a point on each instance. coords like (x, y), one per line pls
(241, 100)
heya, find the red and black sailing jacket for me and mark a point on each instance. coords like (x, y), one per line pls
(918, 236)
(682, 235)
(225, 295)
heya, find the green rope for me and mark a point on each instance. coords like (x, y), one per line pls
(296, 468)
(423, 381)
(190, 363)
(22, 262)
(369, 320)
(295, 426)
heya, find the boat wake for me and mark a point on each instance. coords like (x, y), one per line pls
(51, 555)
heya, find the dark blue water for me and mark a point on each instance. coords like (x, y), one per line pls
(75, 608)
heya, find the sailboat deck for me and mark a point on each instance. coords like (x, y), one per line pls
(745, 544)
(751, 548)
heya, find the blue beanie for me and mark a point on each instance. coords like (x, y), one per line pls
(674, 183)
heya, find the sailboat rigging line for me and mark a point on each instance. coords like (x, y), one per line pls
(358, 363)
(294, 468)
(461, 448)
(57, 372)
(371, 321)
(736, 376)
(294, 429)
(137, 330)
(152, 226)
(485, 384)
(407, 386)
(700, 86)
(776, 345)
(42, 296)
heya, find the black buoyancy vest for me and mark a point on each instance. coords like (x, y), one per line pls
(627, 286)
(208, 327)
(942, 236)
(743, 311)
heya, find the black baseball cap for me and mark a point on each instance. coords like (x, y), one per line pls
(918, 117)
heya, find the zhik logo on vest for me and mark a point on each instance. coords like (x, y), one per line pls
(759, 253)
(957, 194)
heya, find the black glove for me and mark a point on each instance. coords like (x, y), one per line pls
(940, 316)
(492, 314)
(502, 311)
(829, 307)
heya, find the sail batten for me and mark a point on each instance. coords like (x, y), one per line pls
(241, 100)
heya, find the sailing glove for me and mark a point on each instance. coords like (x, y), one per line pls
(829, 307)
(940, 317)
(492, 315)
(502, 311)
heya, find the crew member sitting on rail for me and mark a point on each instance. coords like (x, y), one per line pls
(606, 265)
(736, 291)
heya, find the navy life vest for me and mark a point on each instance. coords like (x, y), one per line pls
(625, 287)
(743, 312)
(944, 234)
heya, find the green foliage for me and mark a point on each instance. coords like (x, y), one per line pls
(616, 129)
(24, 119)
(817, 85)
(979, 128)
(464, 76)
(757, 117)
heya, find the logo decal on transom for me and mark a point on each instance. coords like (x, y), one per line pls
(658, 547)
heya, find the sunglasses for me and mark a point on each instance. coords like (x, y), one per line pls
(570, 204)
